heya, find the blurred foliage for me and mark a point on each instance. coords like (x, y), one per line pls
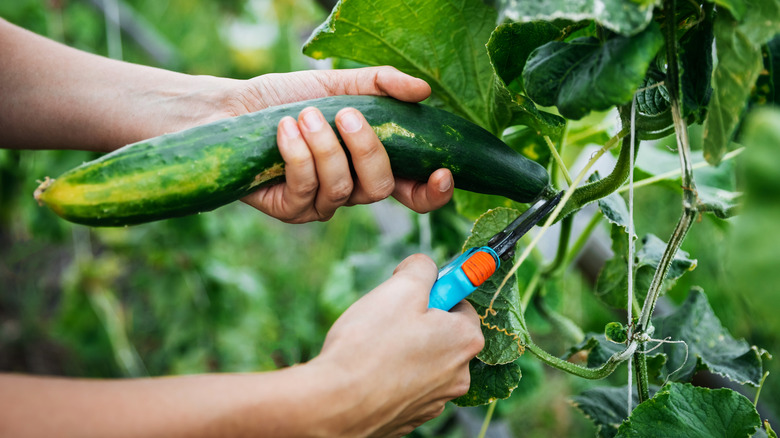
(233, 290)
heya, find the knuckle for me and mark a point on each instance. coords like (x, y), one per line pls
(477, 342)
(306, 190)
(461, 387)
(362, 151)
(381, 190)
(340, 192)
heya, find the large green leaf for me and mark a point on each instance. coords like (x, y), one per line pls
(511, 43)
(499, 347)
(621, 16)
(738, 45)
(607, 407)
(709, 344)
(439, 41)
(686, 411)
(489, 383)
(585, 75)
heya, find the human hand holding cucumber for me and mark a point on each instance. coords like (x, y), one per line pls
(93, 103)
(318, 177)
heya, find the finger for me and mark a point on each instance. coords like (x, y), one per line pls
(372, 165)
(424, 197)
(380, 81)
(413, 278)
(330, 161)
(291, 200)
(470, 322)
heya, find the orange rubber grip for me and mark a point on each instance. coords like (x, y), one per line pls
(479, 267)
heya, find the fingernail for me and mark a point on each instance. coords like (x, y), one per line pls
(290, 128)
(445, 184)
(313, 121)
(351, 122)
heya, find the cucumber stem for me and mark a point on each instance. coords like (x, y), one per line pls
(42, 188)
(598, 189)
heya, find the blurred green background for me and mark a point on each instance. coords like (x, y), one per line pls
(234, 290)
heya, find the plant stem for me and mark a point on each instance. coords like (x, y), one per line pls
(556, 213)
(486, 421)
(558, 159)
(689, 187)
(642, 381)
(563, 246)
(596, 190)
(588, 373)
(760, 385)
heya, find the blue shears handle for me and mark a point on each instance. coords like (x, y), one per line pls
(459, 278)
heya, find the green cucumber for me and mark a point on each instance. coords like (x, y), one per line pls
(205, 167)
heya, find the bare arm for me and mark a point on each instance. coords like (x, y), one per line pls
(56, 97)
(388, 365)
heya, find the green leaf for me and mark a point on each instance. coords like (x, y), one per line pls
(762, 180)
(613, 206)
(738, 45)
(623, 17)
(612, 282)
(489, 383)
(606, 407)
(616, 332)
(473, 205)
(683, 410)
(653, 97)
(736, 7)
(524, 112)
(499, 347)
(710, 346)
(585, 75)
(439, 41)
(752, 246)
(696, 60)
(511, 43)
(768, 84)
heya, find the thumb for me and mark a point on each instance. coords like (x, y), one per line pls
(414, 277)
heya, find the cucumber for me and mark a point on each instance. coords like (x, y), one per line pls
(205, 167)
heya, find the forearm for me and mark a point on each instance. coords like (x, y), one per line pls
(56, 97)
(295, 402)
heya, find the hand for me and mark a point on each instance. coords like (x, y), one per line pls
(400, 360)
(318, 178)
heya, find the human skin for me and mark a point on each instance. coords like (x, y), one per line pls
(56, 97)
(387, 365)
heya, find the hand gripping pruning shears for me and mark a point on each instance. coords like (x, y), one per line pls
(459, 278)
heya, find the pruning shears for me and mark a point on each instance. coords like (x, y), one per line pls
(459, 278)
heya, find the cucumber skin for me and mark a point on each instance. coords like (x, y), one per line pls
(205, 167)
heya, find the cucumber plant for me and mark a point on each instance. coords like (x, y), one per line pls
(630, 75)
